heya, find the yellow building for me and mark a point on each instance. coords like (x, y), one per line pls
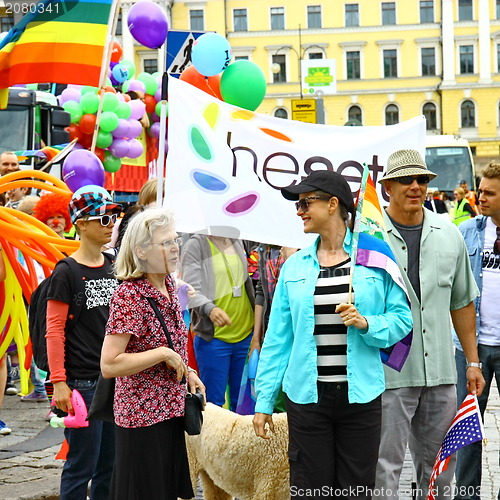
(394, 60)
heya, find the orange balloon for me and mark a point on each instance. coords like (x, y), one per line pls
(86, 140)
(87, 123)
(209, 84)
(74, 132)
(116, 52)
(150, 103)
(107, 88)
(127, 97)
(99, 153)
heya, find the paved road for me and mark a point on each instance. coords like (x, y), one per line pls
(28, 470)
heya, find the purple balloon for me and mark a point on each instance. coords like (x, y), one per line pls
(135, 149)
(112, 64)
(157, 95)
(138, 109)
(148, 24)
(154, 130)
(122, 130)
(135, 129)
(70, 94)
(137, 85)
(155, 117)
(80, 168)
(119, 148)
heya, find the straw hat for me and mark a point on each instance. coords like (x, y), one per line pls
(406, 162)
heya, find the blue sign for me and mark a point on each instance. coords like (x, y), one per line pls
(179, 46)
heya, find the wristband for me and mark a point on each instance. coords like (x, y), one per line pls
(471, 364)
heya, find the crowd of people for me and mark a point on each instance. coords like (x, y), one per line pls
(318, 319)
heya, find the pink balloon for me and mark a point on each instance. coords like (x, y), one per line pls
(157, 95)
(119, 148)
(135, 129)
(120, 96)
(138, 109)
(137, 85)
(154, 131)
(70, 94)
(135, 149)
(122, 130)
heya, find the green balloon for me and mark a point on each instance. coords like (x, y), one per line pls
(86, 90)
(158, 108)
(130, 66)
(109, 101)
(104, 139)
(243, 84)
(123, 110)
(89, 103)
(74, 109)
(109, 121)
(111, 163)
(125, 86)
(149, 81)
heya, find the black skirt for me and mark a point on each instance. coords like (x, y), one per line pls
(151, 463)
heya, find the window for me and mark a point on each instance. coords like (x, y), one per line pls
(196, 19)
(427, 11)
(241, 58)
(279, 76)
(497, 16)
(468, 114)
(150, 65)
(390, 63)
(466, 59)
(355, 113)
(465, 10)
(314, 16)
(388, 13)
(315, 55)
(353, 65)
(6, 23)
(240, 20)
(428, 61)
(281, 113)
(119, 31)
(351, 14)
(429, 111)
(391, 114)
(498, 58)
(277, 18)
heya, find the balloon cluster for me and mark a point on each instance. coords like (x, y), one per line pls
(241, 83)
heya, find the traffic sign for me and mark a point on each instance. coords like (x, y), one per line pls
(179, 46)
(304, 110)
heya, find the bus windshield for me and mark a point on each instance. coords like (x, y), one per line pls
(14, 128)
(452, 164)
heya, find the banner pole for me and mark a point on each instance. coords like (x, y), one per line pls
(162, 141)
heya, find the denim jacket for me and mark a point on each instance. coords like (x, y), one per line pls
(289, 355)
(473, 232)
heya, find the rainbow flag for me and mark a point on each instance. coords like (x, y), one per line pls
(371, 248)
(58, 42)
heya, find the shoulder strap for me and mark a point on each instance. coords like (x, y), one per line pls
(76, 271)
(162, 321)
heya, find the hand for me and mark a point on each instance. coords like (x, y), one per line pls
(254, 344)
(219, 317)
(259, 425)
(475, 380)
(351, 316)
(194, 382)
(174, 361)
(62, 397)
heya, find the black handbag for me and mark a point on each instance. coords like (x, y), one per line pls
(194, 403)
(101, 407)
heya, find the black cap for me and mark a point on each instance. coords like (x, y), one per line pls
(322, 180)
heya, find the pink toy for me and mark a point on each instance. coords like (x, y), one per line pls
(76, 420)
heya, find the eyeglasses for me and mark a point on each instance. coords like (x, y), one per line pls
(496, 245)
(407, 180)
(169, 243)
(304, 203)
(105, 219)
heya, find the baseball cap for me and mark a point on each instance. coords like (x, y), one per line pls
(323, 180)
(92, 202)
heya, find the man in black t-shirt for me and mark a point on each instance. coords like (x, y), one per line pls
(74, 354)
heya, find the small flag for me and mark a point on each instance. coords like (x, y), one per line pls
(466, 428)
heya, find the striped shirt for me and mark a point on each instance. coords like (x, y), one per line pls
(330, 333)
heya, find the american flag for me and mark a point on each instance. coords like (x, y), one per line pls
(466, 428)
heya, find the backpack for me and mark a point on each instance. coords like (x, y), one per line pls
(38, 313)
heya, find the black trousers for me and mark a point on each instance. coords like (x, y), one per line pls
(333, 447)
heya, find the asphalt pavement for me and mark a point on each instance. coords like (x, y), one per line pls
(29, 470)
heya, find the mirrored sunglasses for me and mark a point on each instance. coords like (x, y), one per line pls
(105, 219)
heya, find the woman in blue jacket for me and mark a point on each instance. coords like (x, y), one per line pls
(324, 352)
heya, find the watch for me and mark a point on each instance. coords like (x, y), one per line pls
(474, 365)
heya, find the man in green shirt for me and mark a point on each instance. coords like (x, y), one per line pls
(420, 401)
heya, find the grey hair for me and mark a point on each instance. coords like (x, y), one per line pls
(139, 233)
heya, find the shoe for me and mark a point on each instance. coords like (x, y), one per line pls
(14, 373)
(10, 389)
(4, 430)
(35, 397)
(50, 415)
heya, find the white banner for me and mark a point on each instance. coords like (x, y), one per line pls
(226, 165)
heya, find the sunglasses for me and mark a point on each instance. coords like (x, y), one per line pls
(304, 203)
(496, 245)
(105, 219)
(169, 243)
(407, 180)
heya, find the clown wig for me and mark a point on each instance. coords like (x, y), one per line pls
(52, 204)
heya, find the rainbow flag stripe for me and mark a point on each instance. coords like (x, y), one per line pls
(62, 42)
